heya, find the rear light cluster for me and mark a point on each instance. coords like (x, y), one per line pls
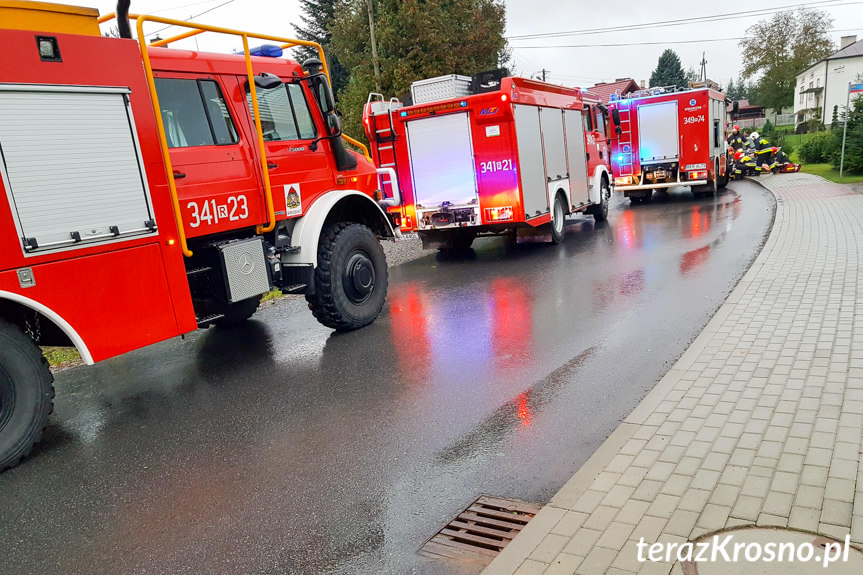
(500, 214)
(698, 175)
(624, 181)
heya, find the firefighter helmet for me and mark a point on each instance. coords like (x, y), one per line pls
(736, 128)
(754, 136)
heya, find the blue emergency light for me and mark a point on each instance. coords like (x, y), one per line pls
(267, 50)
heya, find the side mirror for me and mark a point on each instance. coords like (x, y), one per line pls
(735, 107)
(618, 130)
(615, 115)
(267, 81)
(334, 124)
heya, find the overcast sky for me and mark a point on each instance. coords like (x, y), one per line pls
(575, 59)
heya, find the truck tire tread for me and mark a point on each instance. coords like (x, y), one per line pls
(328, 303)
(23, 358)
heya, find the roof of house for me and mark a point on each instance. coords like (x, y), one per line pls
(850, 51)
(855, 49)
(620, 87)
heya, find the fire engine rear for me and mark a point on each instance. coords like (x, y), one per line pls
(148, 191)
(669, 138)
(491, 156)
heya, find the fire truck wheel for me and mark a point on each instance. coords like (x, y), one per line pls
(558, 220)
(238, 312)
(600, 212)
(723, 180)
(351, 277)
(462, 240)
(26, 395)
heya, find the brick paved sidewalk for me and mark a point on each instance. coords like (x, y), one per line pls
(759, 422)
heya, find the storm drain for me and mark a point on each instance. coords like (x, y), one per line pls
(481, 531)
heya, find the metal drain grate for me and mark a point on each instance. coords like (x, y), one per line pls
(481, 531)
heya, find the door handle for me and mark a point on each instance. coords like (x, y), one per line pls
(179, 175)
(272, 165)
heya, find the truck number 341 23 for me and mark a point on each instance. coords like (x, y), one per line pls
(211, 212)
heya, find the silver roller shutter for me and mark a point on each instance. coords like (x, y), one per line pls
(72, 166)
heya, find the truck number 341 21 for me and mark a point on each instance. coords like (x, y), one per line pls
(211, 212)
(496, 166)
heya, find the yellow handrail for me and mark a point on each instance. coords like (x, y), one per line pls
(199, 29)
(359, 145)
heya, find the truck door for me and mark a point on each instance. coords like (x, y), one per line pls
(298, 174)
(575, 157)
(214, 169)
(600, 133)
(591, 145)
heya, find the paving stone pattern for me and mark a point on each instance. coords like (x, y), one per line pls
(759, 423)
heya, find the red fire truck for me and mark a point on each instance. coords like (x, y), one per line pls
(669, 138)
(149, 191)
(502, 156)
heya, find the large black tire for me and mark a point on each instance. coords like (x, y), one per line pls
(238, 312)
(26, 395)
(558, 220)
(723, 180)
(600, 212)
(351, 277)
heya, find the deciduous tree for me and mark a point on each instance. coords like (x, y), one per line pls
(416, 39)
(776, 50)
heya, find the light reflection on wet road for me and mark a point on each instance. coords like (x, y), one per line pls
(284, 448)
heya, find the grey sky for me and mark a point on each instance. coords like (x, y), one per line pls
(567, 65)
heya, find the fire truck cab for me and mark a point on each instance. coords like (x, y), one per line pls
(669, 138)
(502, 156)
(147, 191)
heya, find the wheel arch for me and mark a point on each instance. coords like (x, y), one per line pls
(596, 184)
(19, 311)
(340, 205)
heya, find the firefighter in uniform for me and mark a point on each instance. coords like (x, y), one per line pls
(735, 139)
(763, 152)
(745, 165)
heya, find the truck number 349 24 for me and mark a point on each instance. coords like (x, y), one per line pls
(211, 212)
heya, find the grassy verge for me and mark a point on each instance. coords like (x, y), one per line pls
(61, 356)
(272, 296)
(828, 172)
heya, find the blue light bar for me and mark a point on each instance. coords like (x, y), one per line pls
(267, 50)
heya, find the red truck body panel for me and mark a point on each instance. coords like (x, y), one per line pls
(139, 283)
(682, 132)
(497, 161)
(115, 296)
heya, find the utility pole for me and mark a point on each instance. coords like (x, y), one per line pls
(845, 129)
(543, 72)
(704, 67)
(374, 46)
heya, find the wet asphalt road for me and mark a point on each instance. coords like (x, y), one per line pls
(284, 448)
